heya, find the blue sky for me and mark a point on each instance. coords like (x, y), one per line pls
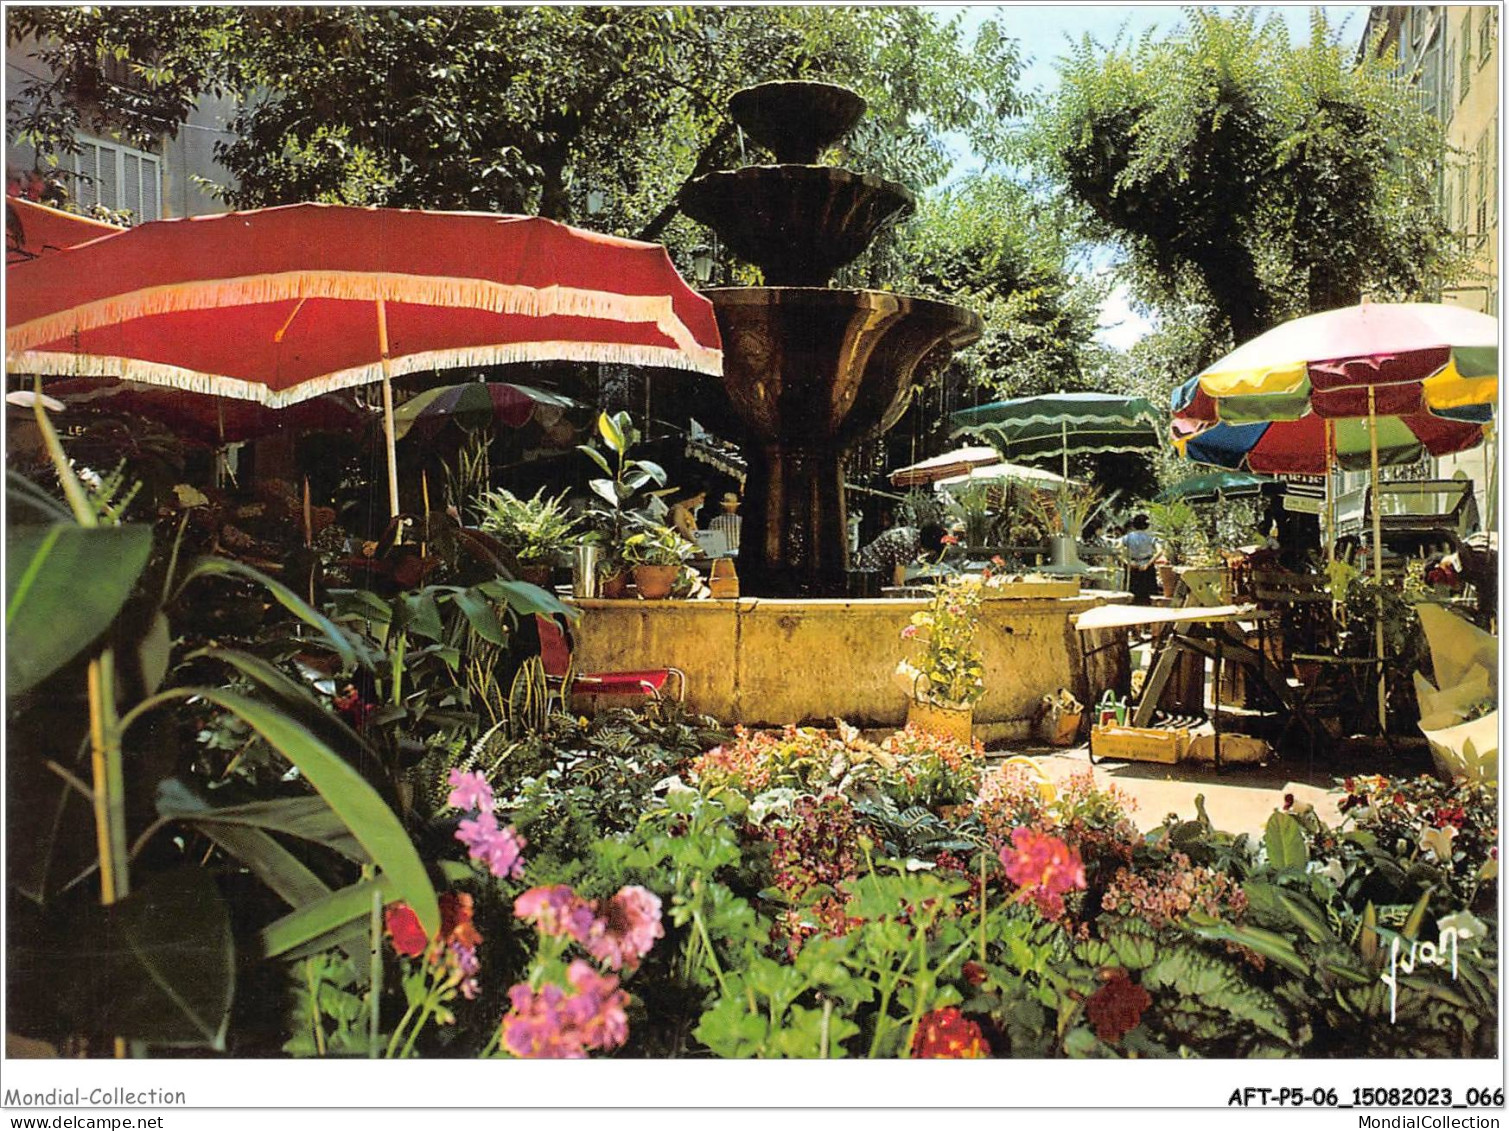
(1045, 33)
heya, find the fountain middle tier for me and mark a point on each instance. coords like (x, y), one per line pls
(813, 372)
(798, 223)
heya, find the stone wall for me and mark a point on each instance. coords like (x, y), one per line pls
(767, 662)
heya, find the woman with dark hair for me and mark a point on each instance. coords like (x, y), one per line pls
(898, 547)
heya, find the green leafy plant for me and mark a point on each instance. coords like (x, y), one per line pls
(1176, 525)
(1067, 509)
(621, 492)
(656, 545)
(536, 529)
(949, 669)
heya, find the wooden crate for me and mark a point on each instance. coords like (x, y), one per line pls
(1138, 744)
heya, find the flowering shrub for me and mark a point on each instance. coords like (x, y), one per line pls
(501, 847)
(553, 1023)
(931, 769)
(912, 766)
(813, 852)
(949, 669)
(449, 965)
(565, 1010)
(1165, 896)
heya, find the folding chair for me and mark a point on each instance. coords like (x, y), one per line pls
(555, 656)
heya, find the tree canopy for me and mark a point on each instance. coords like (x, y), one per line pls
(509, 108)
(1272, 178)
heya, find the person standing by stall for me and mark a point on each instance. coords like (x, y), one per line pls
(1140, 549)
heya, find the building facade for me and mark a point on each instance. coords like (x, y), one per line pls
(160, 181)
(1452, 53)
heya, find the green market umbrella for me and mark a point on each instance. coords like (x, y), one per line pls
(1061, 424)
(1217, 485)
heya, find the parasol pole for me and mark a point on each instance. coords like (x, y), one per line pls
(1377, 554)
(387, 408)
(1064, 432)
(1330, 501)
(1490, 496)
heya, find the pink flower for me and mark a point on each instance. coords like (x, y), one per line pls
(908, 632)
(1043, 867)
(556, 911)
(470, 791)
(626, 928)
(502, 848)
(598, 1009)
(536, 1028)
(950, 540)
(551, 1024)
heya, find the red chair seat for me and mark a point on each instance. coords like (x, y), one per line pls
(627, 683)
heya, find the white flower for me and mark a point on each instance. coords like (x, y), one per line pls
(1437, 843)
(1466, 925)
(1333, 871)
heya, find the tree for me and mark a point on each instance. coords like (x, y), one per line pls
(511, 109)
(1277, 179)
(1006, 251)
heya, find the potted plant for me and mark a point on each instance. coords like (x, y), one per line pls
(1177, 528)
(946, 678)
(536, 529)
(619, 495)
(1064, 513)
(656, 554)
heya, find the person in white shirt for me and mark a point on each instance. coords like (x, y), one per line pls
(729, 522)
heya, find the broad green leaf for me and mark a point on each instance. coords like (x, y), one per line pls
(293, 697)
(224, 567)
(158, 966)
(1285, 841)
(611, 433)
(269, 861)
(525, 599)
(64, 585)
(308, 818)
(656, 472)
(1310, 918)
(595, 456)
(154, 651)
(357, 803)
(363, 603)
(420, 615)
(481, 615)
(316, 920)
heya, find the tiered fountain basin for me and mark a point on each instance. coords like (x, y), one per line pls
(766, 662)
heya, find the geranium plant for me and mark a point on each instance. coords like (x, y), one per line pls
(949, 669)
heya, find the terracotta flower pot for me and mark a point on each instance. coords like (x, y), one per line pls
(616, 587)
(655, 582)
(1168, 577)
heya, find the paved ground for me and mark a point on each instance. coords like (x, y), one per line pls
(1239, 799)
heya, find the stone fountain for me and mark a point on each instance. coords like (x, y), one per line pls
(811, 370)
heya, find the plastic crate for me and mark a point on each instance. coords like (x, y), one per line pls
(1138, 744)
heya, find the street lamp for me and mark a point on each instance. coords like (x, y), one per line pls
(703, 264)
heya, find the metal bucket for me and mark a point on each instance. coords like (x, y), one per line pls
(584, 571)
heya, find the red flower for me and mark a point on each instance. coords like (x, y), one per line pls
(974, 973)
(406, 931)
(946, 1034)
(1453, 815)
(950, 540)
(1116, 1008)
(1043, 867)
(456, 919)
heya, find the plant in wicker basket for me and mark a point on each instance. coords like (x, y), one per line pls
(948, 670)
